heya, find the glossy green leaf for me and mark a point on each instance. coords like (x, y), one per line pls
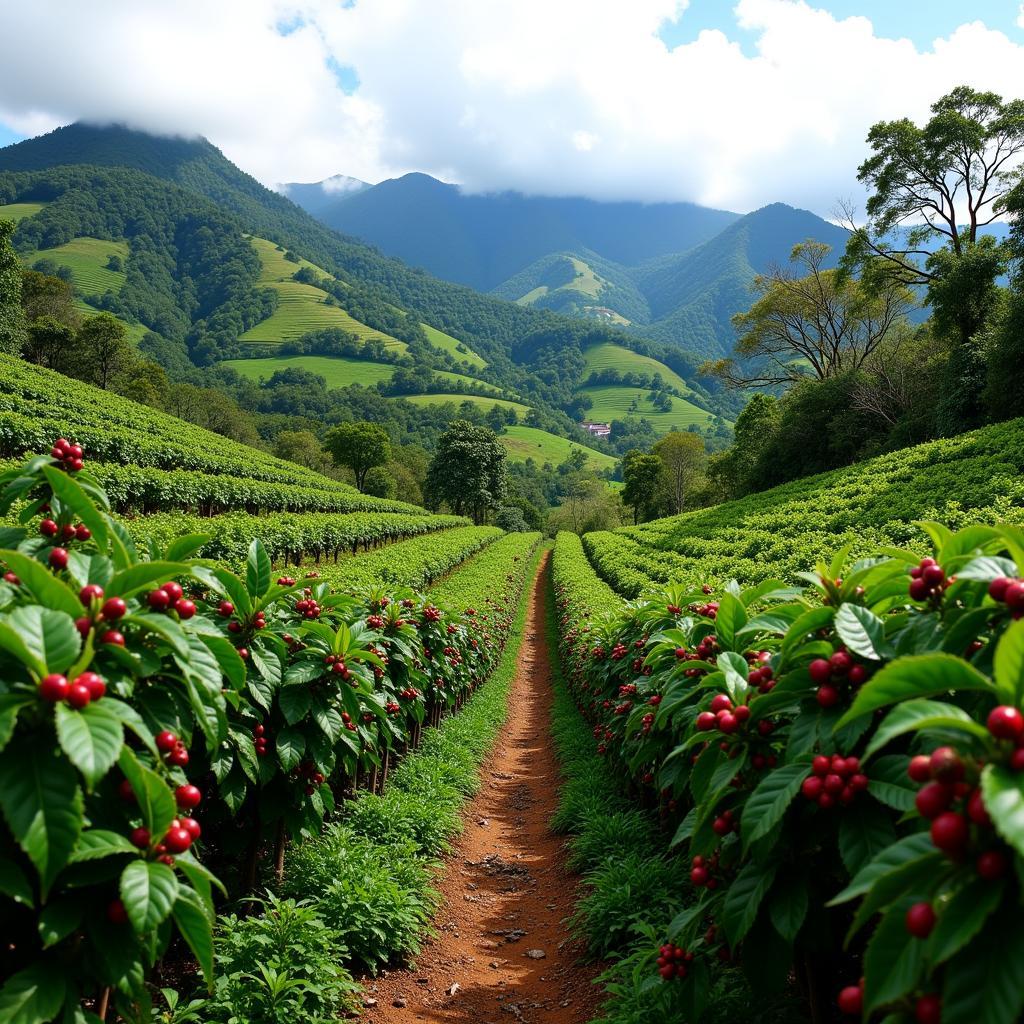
(194, 924)
(865, 830)
(1009, 663)
(257, 569)
(768, 803)
(863, 632)
(50, 635)
(962, 918)
(743, 899)
(894, 959)
(148, 891)
(1003, 792)
(914, 715)
(902, 852)
(33, 996)
(92, 738)
(155, 799)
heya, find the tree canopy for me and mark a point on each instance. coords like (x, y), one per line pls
(468, 471)
(358, 446)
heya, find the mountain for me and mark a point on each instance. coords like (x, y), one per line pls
(482, 240)
(692, 295)
(321, 195)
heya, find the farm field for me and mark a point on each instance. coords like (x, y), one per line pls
(524, 443)
(477, 400)
(608, 356)
(338, 371)
(87, 259)
(301, 306)
(612, 402)
(19, 211)
(446, 343)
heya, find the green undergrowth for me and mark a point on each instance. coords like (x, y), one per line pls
(632, 887)
(364, 889)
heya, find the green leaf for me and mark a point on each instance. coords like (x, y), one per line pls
(92, 738)
(194, 924)
(902, 852)
(893, 959)
(97, 843)
(984, 982)
(743, 899)
(42, 804)
(291, 745)
(913, 715)
(735, 668)
(731, 618)
(10, 705)
(59, 919)
(51, 636)
(808, 623)
(294, 702)
(70, 494)
(1003, 794)
(865, 830)
(12, 643)
(143, 576)
(231, 665)
(921, 675)
(148, 891)
(962, 918)
(768, 803)
(14, 883)
(788, 905)
(227, 583)
(163, 627)
(155, 800)
(863, 632)
(38, 582)
(1009, 663)
(899, 798)
(267, 664)
(32, 996)
(257, 569)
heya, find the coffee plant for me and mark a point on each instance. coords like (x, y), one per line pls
(166, 723)
(841, 765)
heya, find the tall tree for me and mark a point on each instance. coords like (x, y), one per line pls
(682, 458)
(12, 317)
(102, 350)
(468, 471)
(359, 446)
(808, 321)
(642, 475)
(935, 187)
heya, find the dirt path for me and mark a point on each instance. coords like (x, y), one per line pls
(506, 891)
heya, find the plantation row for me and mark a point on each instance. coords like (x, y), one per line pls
(842, 769)
(166, 726)
(288, 538)
(977, 477)
(122, 432)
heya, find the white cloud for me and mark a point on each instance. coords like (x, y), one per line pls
(570, 97)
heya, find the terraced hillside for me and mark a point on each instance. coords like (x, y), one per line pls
(617, 402)
(975, 477)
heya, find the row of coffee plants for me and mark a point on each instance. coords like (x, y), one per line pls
(841, 765)
(122, 432)
(288, 538)
(976, 477)
(359, 895)
(166, 726)
(419, 562)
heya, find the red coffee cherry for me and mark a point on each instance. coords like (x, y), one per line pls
(920, 920)
(1006, 723)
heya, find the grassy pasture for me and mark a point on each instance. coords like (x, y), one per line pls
(446, 343)
(613, 402)
(19, 211)
(607, 356)
(524, 443)
(338, 371)
(86, 258)
(477, 400)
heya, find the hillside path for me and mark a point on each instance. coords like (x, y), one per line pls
(506, 891)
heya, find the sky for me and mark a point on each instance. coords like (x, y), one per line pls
(728, 104)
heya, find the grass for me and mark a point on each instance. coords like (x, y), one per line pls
(525, 443)
(446, 343)
(19, 211)
(86, 258)
(586, 281)
(133, 332)
(461, 378)
(612, 402)
(477, 400)
(607, 356)
(301, 307)
(338, 371)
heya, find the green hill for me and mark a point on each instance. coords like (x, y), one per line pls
(338, 371)
(612, 402)
(607, 356)
(524, 443)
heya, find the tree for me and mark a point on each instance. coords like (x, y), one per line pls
(50, 343)
(510, 518)
(380, 483)
(102, 349)
(358, 446)
(642, 474)
(682, 458)
(13, 332)
(811, 322)
(935, 187)
(302, 447)
(733, 470)
(468, 471)
(589, 504)
(47, 296)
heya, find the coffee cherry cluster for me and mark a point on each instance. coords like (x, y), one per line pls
(287, 581)
(760, 675)
(724, 824)
(338, 666)
(170, 597)
(834, 779)
(708, 610)
(672, 961)
(619, 652)
(702, 871)
(375, 622)
(432, 614)
(173, 749)
(311, 776)
(261, 740)
(82, 690)
(347, 719)
(67, 454)
(68, 532)
(392, 708)
(308, 607)
(927, 580)
(722, 716)
(832, 674)
(1008, 591)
